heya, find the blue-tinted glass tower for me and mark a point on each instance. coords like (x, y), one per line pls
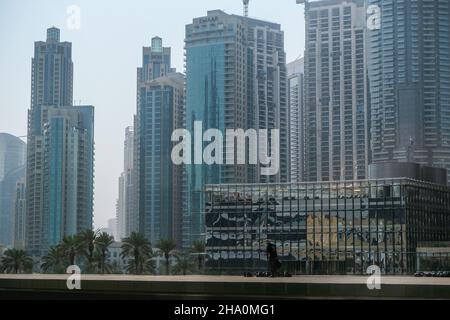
(68, 172)
(12, 170)
(160, 101)
(235, 79)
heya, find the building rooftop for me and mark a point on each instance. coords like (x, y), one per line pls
(347, 183)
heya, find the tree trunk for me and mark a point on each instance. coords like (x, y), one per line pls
(136, 263)
(167, 264)
(103, 262)
(91, 253)
(72, 258)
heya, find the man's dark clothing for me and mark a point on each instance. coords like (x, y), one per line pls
(272, 258)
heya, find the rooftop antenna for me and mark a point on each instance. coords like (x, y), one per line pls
(245, 7)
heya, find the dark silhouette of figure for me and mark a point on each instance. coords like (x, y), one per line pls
(272, 258)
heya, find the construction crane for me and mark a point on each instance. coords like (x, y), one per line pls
(246, 2)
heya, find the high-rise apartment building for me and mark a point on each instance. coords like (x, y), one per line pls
(336, 94)
(160, 102)
(120, 208)
(60, 155)
(267, 89)
(19, 215)
(68, 157)
(126, 221)
(156, 61)
(12, 170)
(12, 153)
(409, 73)
(296, 86)
(52, 72)
(112, 226)
(235, 79)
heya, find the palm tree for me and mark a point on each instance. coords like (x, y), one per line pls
(72, 246)
(15, 261)
(147, 265)
(99, 264)
(184, 264)
(102, 243)
(137, 248)
(53, 261)
(87, 239)
(115, 268)
(166, 247)
(198, 248)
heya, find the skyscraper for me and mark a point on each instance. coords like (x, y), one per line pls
(12, 169)
(156, 61)
(68, 157)
(126, 221)
(51, 72)
(235, 79)
(19, 215)
(120, 208)
(336, 102)
(12, 153)
(60, 155)
(296, 85)
(160, 102)
(112, 226)
(409, 72)
(266, 71)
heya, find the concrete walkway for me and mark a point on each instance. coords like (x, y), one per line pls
(225, 287)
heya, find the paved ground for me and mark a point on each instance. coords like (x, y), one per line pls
(404, 280)
(221, 287)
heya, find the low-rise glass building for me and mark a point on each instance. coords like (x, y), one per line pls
(324, 228)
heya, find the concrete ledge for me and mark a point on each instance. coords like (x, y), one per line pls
(222, 287)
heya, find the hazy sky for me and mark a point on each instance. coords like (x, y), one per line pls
(106, 52)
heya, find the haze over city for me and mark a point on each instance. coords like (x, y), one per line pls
(225, 150)
(106, 52)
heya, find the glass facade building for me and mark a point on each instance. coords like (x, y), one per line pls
(68, 172)
(12, 169)
(324, 228)
(157, 182)
(60, 150)
(156, 61)
(235, 79)
(160, 112)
